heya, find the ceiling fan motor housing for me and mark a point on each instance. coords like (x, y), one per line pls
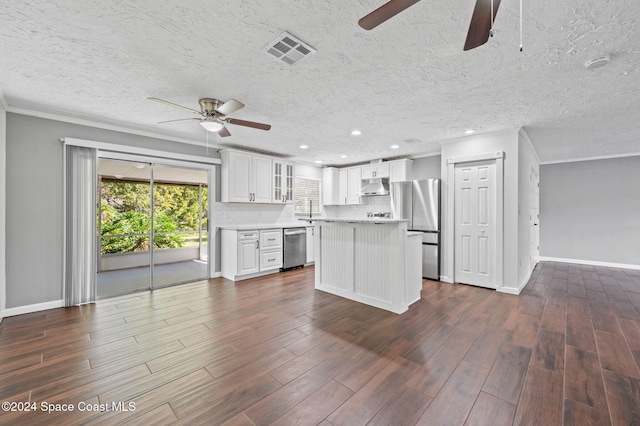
(209, 106)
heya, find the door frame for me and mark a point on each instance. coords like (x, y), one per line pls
(534, 204)
(209, 167)
(498, 157)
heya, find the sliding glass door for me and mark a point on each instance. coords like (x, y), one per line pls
(180, 235)
(151, 225)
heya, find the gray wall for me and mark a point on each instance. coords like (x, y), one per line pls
(426, 167)
(590, 210)
(34, 212)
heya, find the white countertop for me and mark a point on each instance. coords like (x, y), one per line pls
(365, 220)
(251, 227)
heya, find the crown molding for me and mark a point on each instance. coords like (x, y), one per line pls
(104, 126)
(601, 157)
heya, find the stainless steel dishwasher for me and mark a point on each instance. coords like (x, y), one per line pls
(295, 247)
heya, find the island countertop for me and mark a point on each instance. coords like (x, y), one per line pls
(363, 220)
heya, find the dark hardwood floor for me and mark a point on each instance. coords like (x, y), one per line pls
(273, 350)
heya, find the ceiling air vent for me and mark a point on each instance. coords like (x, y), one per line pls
(289, 49)
(412, 140)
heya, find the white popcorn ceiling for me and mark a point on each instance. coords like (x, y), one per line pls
(406, 79)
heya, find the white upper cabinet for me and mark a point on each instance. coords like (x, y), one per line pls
(282, 186)
(350, 185)
(375, 170)
(330, 186)
(246, 178)
(400, 170)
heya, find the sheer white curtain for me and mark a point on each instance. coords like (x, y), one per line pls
(80, 225)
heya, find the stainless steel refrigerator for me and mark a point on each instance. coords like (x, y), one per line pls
(419, 201)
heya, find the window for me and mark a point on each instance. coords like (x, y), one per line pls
(306, 191)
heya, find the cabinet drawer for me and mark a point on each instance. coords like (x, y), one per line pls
(247, 235)
(270, 259)
(270, 238)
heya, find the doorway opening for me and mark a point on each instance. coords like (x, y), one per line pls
(152, 225)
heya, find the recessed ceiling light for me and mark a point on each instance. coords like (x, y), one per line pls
(304, 146)
(469, 132)
(395, 146)
(344, 156)
(356, 132)
(597, 62)
(318, 161)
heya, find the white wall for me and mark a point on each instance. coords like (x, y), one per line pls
(528, 163)
(3, 180)
(506, 141)
(590, 210)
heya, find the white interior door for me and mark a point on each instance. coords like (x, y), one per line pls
(534, 220)
(475, 223)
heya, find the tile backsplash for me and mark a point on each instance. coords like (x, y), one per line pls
(244, 214)
(370, 204)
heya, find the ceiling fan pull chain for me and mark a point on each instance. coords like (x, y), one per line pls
(491, 30)
(521, 25)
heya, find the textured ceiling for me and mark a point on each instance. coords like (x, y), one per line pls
(407, 79)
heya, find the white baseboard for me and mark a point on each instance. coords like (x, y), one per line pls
(216, 275)
(514, 290)
(27, 309)
(589, 262)
(446, 279)
(509, 290)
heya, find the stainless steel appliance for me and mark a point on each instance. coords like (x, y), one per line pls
(419, 201)
(295, 247)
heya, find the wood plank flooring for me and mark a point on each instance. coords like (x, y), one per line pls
(273, 350)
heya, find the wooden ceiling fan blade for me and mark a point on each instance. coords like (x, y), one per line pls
(385, 12)
(224, 132)
(251, 124)
(162, 101)
(175, 121)
(480, 25)
(229, 107)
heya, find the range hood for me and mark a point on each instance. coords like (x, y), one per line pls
(374, 187)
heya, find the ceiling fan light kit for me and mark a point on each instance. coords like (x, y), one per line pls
(211, 125)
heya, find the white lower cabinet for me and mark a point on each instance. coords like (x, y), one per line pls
(270, 249)
(250, 253)
(248, 260)
(270, 259)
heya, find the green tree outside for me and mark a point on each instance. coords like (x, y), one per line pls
(125, 215)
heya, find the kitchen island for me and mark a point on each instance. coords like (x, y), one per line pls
(371, 261)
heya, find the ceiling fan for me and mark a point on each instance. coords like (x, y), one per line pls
(213, 115)
(480, 28)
